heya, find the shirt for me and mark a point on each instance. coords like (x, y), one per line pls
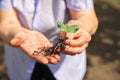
(42, 15)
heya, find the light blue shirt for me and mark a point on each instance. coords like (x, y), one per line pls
(42, 15)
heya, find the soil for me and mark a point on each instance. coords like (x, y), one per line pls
(103, 52)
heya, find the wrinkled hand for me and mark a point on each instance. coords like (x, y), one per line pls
(30, 41)
(76, 42)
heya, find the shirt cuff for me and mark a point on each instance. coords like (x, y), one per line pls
(80, 4)
(5, 5)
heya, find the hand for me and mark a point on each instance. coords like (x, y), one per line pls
(30, 41)
(76, 42)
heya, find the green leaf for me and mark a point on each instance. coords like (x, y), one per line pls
(72, 28)
(61, 26)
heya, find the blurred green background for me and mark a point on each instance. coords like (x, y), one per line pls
(103, 53)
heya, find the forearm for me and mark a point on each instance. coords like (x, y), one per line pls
(89, 23)
(86, 19)
(9, 25)
(8, 31)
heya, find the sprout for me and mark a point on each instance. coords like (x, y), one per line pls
(69, 29)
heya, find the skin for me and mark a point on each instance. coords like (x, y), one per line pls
(88, 23)
(12, 32)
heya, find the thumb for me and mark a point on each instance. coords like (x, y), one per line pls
(70, 35)
(16, 41)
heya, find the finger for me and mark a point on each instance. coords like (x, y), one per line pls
(70, 35)
(78, 42)
(77, 35)
(73, 35)
(57, 57)
(74, 50)
(16, 41)
(40, 59)
(52, 60)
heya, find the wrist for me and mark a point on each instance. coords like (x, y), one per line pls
(82, 25)
(7, 33)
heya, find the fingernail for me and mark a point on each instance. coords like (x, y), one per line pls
(67, 42)
(67, 47)
(44, 61)
(54, 61)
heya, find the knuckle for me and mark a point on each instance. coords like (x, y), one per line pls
(79, 51)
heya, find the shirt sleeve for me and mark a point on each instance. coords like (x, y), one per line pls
(6, 4)
(79, 4)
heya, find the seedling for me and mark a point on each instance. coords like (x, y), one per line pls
(60, 44)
